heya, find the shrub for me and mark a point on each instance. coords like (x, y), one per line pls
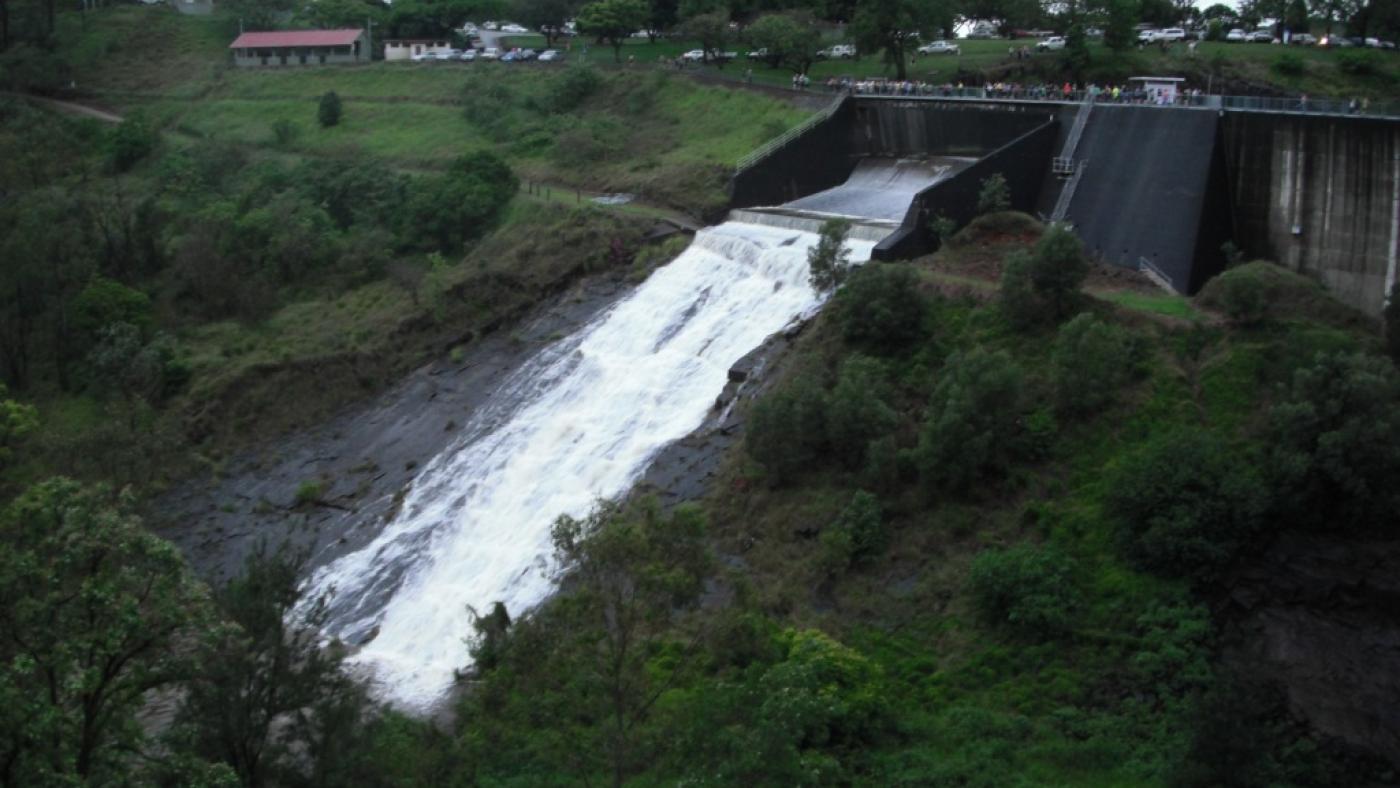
(1243, 300)
(942, 228)
(1359, 64)
(1184, 505)
(880, 308)
(1018, 299)
(829, 261)
(973, 421)
(1026, 590)
(131, 141)
(856, 412)
(1044, 284)
(994, 195)
(284, 132)
(309, 492)
(445, 211)
(857, 534)
(1091, 360)
(1335, 444)
(575, 85)
(328, 112)
(785, 429)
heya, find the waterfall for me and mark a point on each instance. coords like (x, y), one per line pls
(577, 423)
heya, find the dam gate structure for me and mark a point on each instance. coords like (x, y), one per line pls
(1145, 187)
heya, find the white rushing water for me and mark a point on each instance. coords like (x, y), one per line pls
(577, 423)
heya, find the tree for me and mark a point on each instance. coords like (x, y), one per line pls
(857, 534)
(259, 14)
(1044, 285)
(973, 423)
(791, 40)
(712, 31)
(267, 693)
(17, 420)
(1027, 590)
(856, 411)
(1090, 361)
(1335, 444)
(328, 111)
(829, 261)
(880, 308)
(786, 429)
(98, 612)
(445, 211)
(994, 195)
(1118, 33)
(890, 25)
(612, 21)
(547, 16)
(1296, 17)
(1185, 505)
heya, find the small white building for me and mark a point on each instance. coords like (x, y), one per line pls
(1159, 89)
(408, 48)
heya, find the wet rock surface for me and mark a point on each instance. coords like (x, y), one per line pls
(1321, 616)
(328, 490)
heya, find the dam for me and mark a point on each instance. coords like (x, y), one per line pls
(1159, 189)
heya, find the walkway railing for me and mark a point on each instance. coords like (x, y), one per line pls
(1389, 108)
(789, 135)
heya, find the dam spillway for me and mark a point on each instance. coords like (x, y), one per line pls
(577, 423)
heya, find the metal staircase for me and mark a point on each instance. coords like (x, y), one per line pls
(1067, 193)
(1065, 167)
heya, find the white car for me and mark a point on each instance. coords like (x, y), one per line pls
(838, 52)
(938, 48)
(490, 25)
(513, 28)
(1303, 39)
(467, 55)
(1051, 44)
(490, 53)
(1172, 34)
(551, 55)
(694, 56)
(1261, 37)
(451, 54)
(1147, 36)
(1237, 35)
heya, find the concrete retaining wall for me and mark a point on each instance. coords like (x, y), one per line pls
(1320, 195)
(819, 159)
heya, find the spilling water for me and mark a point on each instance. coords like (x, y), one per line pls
(578, 422)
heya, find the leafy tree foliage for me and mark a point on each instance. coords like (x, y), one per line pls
(612, 21)
(1044, 285)
(1186, 505)
(1027, 590)
(791, 39)
(786, 429)
(1335, 444)
(328, 111)
(16, 421)
(268, 699)
(131, 141)
(856, 412)
(829, 261)
(995, 194)
(973, 422)
(1090, 362)
(711, 30)
(889, 26)
(858, 533)
(446, 211)
(1118, 32)
(879, 309)
(544, 15)
(97, 612)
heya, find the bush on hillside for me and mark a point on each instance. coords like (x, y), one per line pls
(856, 413)
(1242, 291)
(829, 262)
(1185, 505)
(880, 308)
(1335, 444)
(568, 90)
(1360, 64)
(973, 422)
(1289, 65)
(131, 141)
(328, 111)
(1090, 362)
(445, 211)
(1026, 590)
(786, 428)
(1043, 285)
(857, 534)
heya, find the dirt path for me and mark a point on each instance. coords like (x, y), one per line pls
(72, 108)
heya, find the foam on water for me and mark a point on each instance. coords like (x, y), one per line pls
(577, 423)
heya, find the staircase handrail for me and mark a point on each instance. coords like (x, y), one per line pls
(1081, 119)
(1067, 193)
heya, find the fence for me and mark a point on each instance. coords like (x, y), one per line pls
(789, 135)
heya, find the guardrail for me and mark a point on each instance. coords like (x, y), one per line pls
(791, 134)
(1310, 106)
(1155, 274)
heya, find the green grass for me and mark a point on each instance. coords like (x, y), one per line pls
(1164, 304)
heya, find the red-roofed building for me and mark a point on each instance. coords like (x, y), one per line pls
(301, 47)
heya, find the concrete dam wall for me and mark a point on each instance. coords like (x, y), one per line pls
(1317, 193)
(1320, 195)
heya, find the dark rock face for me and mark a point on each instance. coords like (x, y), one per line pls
(1321, 616)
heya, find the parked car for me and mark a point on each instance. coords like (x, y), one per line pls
(1147, 36)
(838, 52)
(467, 55)
(527, 54)
(1172, 34)
(1302, 39)
(1237, 35)
(694, 56)
(490, 53)
(939, 48)
(551, 55)
(514, 28)
(1093, 32)
(757, 54)
(1051, 44)
(490, 25)
(470, 29)
(1261, 37)
(449, 55)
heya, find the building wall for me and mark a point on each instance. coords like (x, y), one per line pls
(314, 56)
(1319, 194)
(405, 50)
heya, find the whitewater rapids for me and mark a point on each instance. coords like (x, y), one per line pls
(578, 422)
